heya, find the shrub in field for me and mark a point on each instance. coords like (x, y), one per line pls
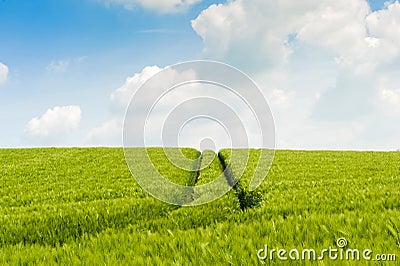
(247, 199)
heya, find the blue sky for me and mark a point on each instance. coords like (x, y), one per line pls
(77, 53)
(112, 43)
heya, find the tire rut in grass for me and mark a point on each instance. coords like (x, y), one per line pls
(195, 177)
(247, 199)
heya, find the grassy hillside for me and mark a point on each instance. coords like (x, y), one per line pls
(82, 206)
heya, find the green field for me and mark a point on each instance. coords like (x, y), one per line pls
(82, 206)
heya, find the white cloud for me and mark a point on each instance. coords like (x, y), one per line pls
(59, 66)
(108, 134)
(172, 110)
(390, 101)
(256, 33)
(337, 25)
(3, 72)
(362, 40)
(384, 24)
(161, 6)
(248, 34)
(121, 97)
(55, 123)
(281, 100)
(319, 63)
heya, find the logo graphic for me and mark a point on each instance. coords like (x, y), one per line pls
(341, 242)
(201, 104)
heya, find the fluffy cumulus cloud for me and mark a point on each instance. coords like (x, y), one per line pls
(384, 31)
(120, 98)
(245, 33)
(259, 33)
(109, 133)
(55, 124)
(329, 68)
(3, 72)
(161, 6)
(182, 107)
